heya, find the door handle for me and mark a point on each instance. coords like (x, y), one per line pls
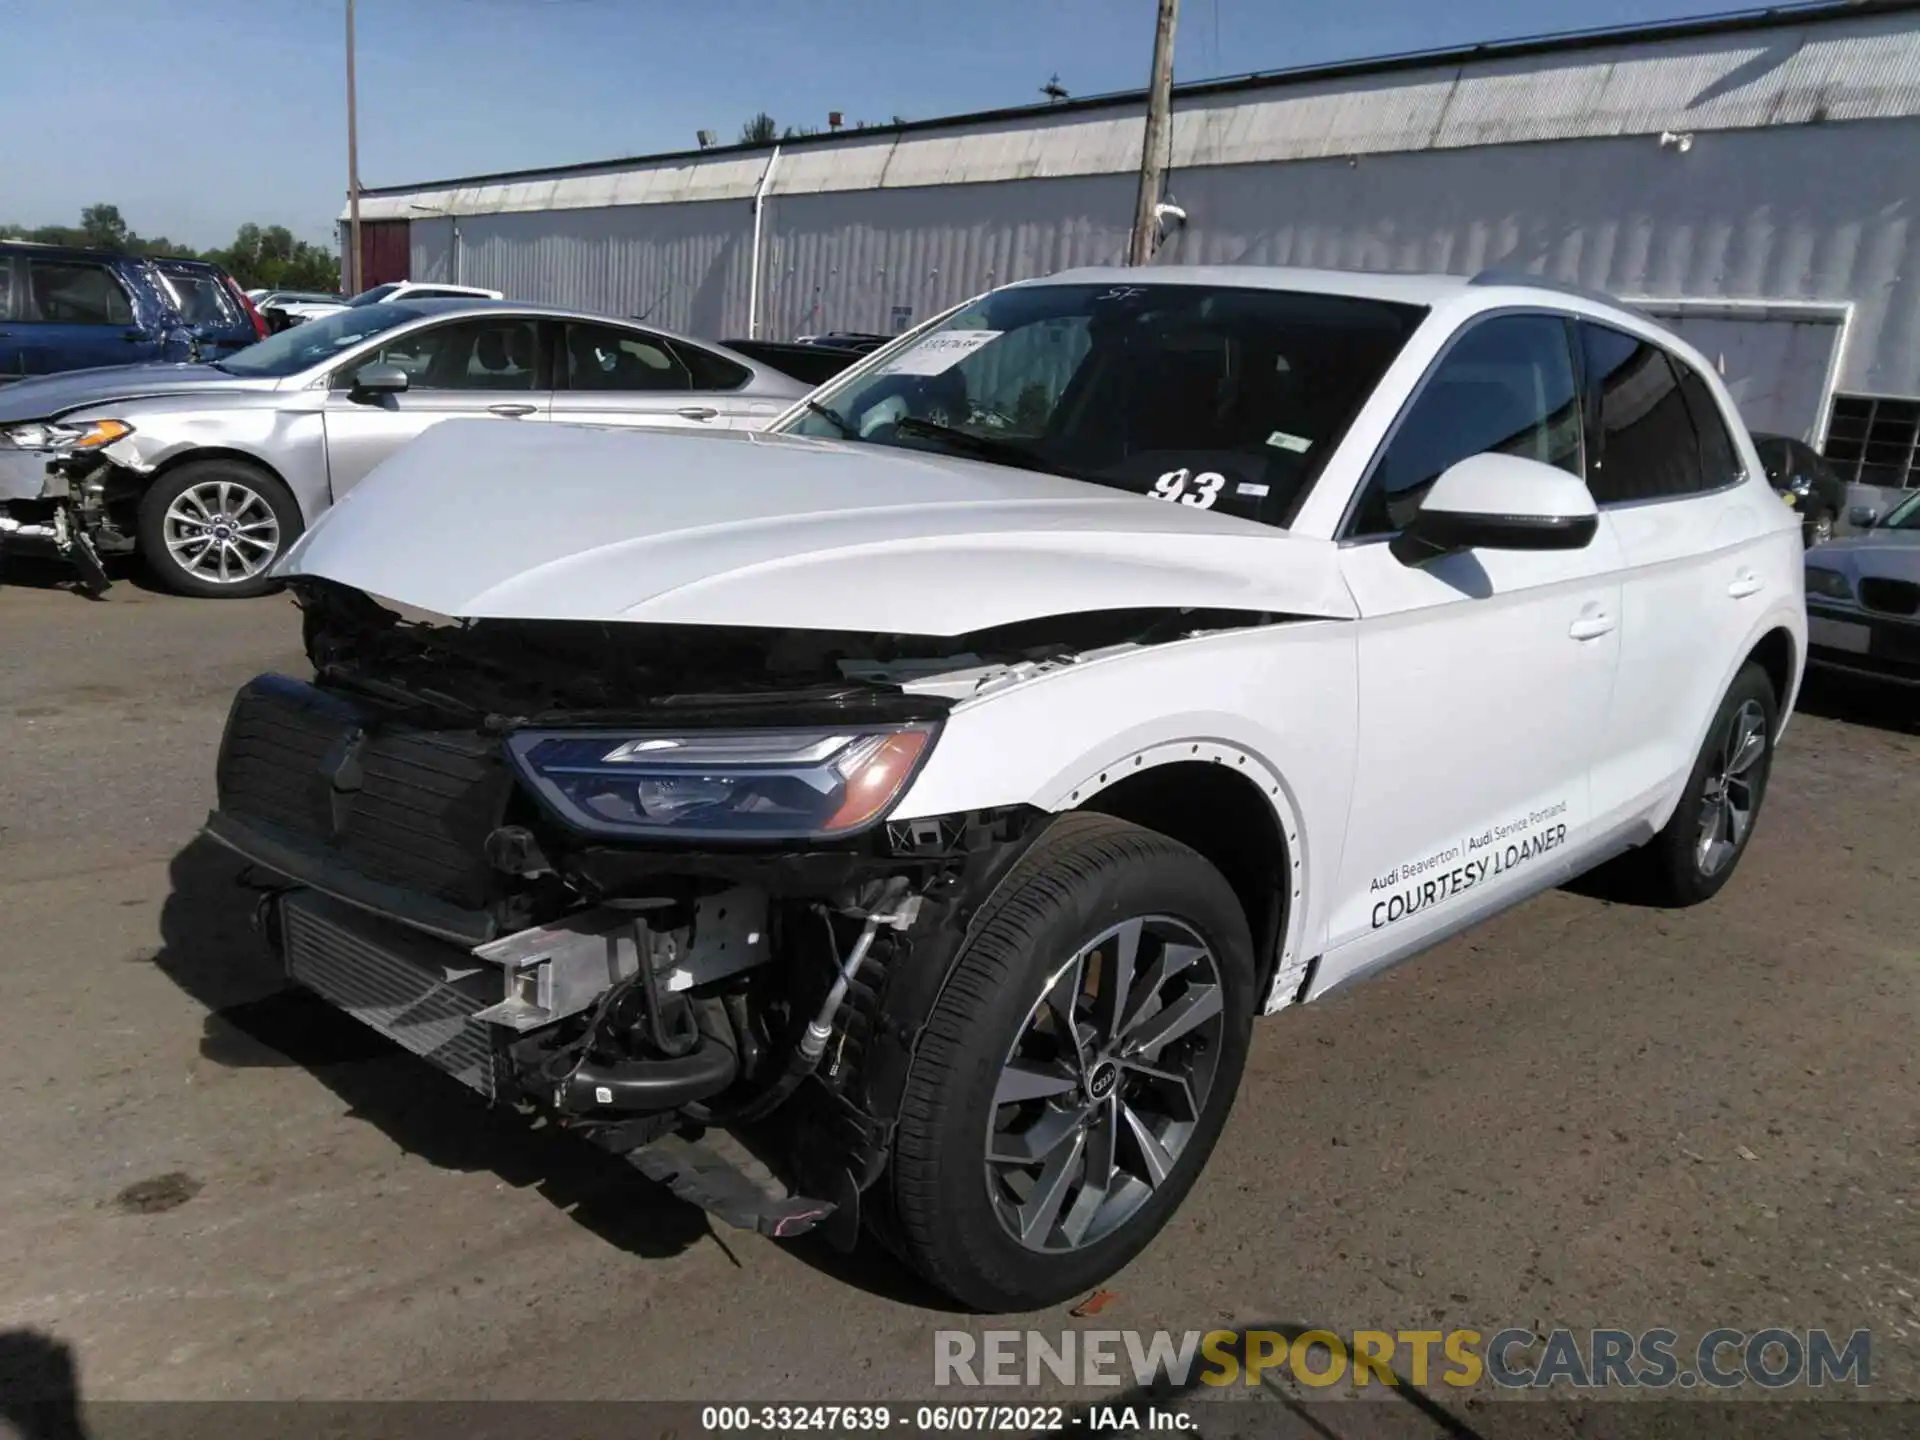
(1745, 584)
(696, 412)
(1591, 627)
(511, 412)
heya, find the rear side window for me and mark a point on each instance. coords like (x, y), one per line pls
(711, 371)
(1646, 447)
(605, 357)
(74, 292)
(6, 290)
(1506, 387)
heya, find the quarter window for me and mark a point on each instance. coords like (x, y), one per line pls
(1646, 445)
(75, 292)
(1719, 461)
(601, 357)
(710, 371)
(1506, 387)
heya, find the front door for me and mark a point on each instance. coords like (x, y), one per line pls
(1484, 676)
(475, 369)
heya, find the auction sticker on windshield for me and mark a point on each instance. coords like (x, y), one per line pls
(938, 353)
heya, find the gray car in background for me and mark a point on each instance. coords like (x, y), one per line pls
(210, 472)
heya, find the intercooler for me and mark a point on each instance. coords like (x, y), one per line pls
(418, 992)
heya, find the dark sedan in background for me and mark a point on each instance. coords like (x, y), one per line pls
(1805, 481)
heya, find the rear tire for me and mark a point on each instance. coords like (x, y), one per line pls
(214, 528)
(1818, 529)
(1701, 846)
(1138, 1094)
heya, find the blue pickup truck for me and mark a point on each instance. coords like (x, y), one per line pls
(74, 309)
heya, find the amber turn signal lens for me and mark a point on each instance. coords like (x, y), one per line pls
(878, 778)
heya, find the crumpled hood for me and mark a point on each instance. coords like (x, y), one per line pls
(485, 519)
(46, 397)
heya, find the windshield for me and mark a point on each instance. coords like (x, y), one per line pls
(1221, 398)
(375, 295)
(315, 342)
(1905, 515)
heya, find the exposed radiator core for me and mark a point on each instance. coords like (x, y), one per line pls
(418, 992)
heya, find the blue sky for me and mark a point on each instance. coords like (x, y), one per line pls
(196, 115)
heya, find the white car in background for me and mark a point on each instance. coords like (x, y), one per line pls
(940, 783)
(301, 311)
(1863, 599)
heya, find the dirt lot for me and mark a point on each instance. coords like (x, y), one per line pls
(1581, 1114)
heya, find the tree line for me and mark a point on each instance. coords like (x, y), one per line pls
(763, 129)
(268, 256)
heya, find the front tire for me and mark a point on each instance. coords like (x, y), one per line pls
(214, 528)
(1697, 852)
(1077, 1069)
(1819, 529)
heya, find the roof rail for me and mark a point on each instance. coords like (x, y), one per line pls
(1559, 287)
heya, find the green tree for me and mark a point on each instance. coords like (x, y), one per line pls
(762, 129)
(103, 226)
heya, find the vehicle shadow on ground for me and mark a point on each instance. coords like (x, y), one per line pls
(45, 572)
(1857, 701)
(211, 950)
(39, 1387)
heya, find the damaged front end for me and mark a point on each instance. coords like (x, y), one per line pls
(62, 492)
(638, 878)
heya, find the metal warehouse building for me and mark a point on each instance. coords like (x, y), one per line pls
(1752, 178)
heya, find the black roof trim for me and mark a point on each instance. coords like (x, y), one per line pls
(1557, 43)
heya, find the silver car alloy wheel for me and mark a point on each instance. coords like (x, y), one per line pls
(1105, 1084)
(222, 531)
(1728, 798)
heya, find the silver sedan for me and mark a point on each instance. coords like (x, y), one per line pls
(210, 472)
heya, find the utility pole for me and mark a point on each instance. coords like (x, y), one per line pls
(1153, 149)
(350, 269)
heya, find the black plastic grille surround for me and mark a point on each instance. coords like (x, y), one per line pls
(405, 807)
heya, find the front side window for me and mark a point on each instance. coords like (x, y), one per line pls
(75, 292)
(1217, 397)
(605, 357)
(1505, 387)
(1646, 447)
(200, 298)
(464, 355)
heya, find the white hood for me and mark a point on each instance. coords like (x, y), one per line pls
(485, 519)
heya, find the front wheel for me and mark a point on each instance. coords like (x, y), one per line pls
(1076, 1070)
(214, 528)
(1819, 529)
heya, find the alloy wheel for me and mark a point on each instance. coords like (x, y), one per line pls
(1105, 1084)
(1728, 799)
(222, 531)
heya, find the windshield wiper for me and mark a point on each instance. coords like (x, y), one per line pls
(1002, 452)
(834, 418)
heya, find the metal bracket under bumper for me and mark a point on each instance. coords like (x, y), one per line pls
(719, 1176)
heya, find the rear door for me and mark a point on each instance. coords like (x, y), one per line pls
(617, 375)
(473, 368)
(74, 314)
(1667, 477)
(1485, 675)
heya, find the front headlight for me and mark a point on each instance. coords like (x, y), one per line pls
(744, 784)
(1830, 583)
(84, 435)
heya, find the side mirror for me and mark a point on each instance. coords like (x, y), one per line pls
(1863, 517)
(375, 380)
(1499, 502)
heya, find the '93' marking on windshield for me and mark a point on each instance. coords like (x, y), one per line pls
(1199, 491)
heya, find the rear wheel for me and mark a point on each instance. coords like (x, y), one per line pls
(215, 528)
(1077, 1069)
(1818, 529)
(1696, 853)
